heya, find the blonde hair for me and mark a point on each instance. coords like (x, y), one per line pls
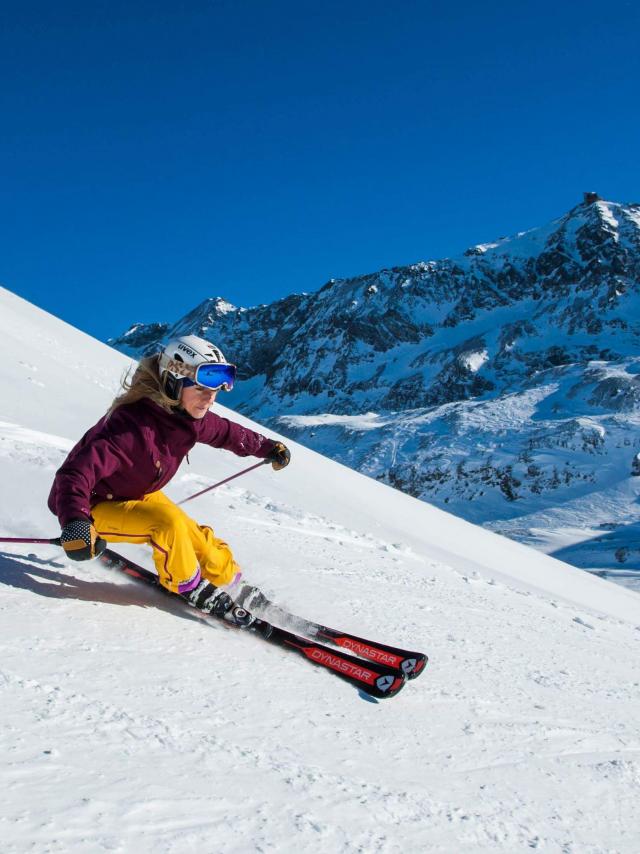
(145, 382)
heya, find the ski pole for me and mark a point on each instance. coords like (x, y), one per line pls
(54, 541)
(226, 480)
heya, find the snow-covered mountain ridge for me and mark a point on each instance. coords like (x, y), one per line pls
(500, 383)
(130, 725)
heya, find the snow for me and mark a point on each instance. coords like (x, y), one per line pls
(366, 421)
(133, 330)
(606, 212)
(524, 244)
(482, 247)
(129, 724)
(474, 361)
(224, 307)
(634, 216)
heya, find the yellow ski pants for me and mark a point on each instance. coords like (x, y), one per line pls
(183, 551)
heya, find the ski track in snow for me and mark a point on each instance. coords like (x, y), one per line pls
(130, 724)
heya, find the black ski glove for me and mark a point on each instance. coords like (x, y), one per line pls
(279, 456)
(80, 540)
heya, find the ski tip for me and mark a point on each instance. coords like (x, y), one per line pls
(414, 666)
(387, 685)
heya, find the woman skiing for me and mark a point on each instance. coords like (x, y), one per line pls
(109, 487)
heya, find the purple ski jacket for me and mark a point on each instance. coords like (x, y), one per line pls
(136, 450)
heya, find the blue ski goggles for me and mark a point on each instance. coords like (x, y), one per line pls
(213, 375)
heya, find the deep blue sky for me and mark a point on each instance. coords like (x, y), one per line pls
(153, 154)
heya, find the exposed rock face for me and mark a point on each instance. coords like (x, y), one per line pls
(500, 377)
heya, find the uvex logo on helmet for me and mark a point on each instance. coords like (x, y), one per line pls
(188, 350)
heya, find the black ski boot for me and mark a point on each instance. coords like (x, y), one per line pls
(210, 599)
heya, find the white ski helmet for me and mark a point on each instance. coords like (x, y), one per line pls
(190, 360)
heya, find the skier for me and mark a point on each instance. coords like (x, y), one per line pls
(108, 490)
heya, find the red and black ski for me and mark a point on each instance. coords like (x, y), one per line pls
(410, 664)
(376, 679)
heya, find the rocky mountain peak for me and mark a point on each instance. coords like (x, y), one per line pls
(355, 337)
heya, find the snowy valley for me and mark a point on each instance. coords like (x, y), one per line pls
(130, 724)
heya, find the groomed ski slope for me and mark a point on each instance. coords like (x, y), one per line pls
(128, 724)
